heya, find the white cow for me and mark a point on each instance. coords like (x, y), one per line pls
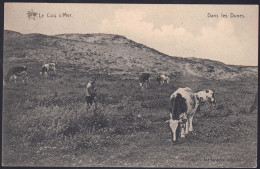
(205, 96)
(48, 68)
(161, 79)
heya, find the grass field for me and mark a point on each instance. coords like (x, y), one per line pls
(45, 123)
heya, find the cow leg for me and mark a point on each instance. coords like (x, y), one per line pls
(190, 121)
(174, 126)
(198, 109)
(183, 130)
(147, 84)
(187, 127)
(141, 85)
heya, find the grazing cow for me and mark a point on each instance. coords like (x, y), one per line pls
(255, 104)
(48, 68)
(183, 105)
(13, 78)
(161, 79)
(22, 75)
(205, 96)
(144, 78)
(14, 70)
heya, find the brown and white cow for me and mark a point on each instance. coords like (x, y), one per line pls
(144, 79)
(14, 70)
(183, 106)
(23, 76)
(162, 79)
(206, 96)
(49, 68)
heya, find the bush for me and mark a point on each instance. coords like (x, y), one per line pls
(44, 123)
(129, 118)
(220, 107)
(243, 111)
(73, 126)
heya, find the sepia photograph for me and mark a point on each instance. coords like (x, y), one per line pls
(130, 85)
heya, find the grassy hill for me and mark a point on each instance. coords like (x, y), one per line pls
(112, 54)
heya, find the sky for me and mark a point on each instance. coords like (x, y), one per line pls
(225, 33)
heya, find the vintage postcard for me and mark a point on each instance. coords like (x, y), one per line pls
(130, 85)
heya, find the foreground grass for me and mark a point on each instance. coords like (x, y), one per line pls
(45, 123)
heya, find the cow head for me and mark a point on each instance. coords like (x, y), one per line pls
(159, 79)
(174, 125)
(13, 78)
(44, 70)
(211, 97)
(168, 80)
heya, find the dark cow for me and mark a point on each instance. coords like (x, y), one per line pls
(16, 69)
(144, 79)
(255, 104)
(22, 75)
(49, 68)
(13, 72)
(183, 106)
(162, 79)
(204, 96)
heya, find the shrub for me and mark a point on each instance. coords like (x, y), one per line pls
(129, 118)
(243, 111)
(220, 107)
(44, 123)
(73, 126)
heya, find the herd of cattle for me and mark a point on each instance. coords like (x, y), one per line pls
(20, 73)
(144, 79)
(184, 103)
